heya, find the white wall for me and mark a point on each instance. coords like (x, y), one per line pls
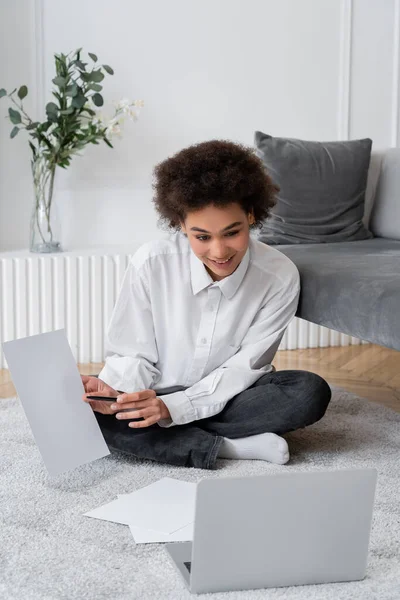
(314, 69)
(17, 66)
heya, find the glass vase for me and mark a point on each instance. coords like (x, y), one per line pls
(45, 224)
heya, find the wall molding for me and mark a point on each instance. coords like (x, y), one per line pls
(329, 337)
(396, 79)
(345, 59)
(38, 69)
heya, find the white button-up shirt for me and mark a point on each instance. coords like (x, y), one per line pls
(172, 325)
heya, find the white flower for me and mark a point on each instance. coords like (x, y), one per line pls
(133, 115)
(113, 128)
(123, 108)
(112, 122)
(123, 105)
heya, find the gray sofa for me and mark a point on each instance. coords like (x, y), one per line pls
(354, 287)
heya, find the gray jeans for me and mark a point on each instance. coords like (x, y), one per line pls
(278, 402)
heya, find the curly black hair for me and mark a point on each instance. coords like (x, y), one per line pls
(215, 172)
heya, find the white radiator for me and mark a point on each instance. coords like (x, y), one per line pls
(78, 292)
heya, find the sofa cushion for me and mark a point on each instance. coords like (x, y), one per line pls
(351, 287)
(322, 189)
(385, 215)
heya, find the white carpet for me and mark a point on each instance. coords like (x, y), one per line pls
(49, 551)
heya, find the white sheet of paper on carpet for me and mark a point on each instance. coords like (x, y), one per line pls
(112, 511)
(165, 506)
(48, 383)
(147, 536)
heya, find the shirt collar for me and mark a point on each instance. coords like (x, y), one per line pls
(201, 278)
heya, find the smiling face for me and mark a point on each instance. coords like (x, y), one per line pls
(219, 237)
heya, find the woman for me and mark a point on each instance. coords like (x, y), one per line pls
(198, 320)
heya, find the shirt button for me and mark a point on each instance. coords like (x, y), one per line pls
(203, 340)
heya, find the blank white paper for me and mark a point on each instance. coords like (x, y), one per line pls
(148, 536)
(112, 511)
(48, 383)
(164, 506)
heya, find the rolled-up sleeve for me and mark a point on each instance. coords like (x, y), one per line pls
(209, 396)
(130, 346)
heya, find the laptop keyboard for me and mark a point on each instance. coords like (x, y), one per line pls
(188, 565)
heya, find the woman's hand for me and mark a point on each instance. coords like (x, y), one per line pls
(143, 404)
(95, 386)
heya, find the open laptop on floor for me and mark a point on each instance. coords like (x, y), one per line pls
(278, 530)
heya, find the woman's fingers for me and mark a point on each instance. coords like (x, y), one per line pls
(135, 414)
(90, 384)
(99, 406)
(129, 405)
(145, 423)
(136, 396)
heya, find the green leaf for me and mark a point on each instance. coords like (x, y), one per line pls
(95, 87)
(32, 125)
(71, 90)
(107, 142)
(109, 70)
(52, 112)
(97, 99)
(15, 116)
(44, 126)
(59, 81)
(3, 92)
(46, 141)
(93, 57)
(79, 101)
(67, 111)
(22, 92)
(77, 52)
(51, 108)
(14, 132)
(32, 148)
(81, 65)
(86, 77)
(97, 76)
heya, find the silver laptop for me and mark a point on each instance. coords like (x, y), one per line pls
(278, 530)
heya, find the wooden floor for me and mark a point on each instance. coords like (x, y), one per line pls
(370, 371)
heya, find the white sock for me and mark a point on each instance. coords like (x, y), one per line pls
(265, 446)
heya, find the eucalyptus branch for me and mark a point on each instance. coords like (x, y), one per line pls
(71, 120)
(21, 109)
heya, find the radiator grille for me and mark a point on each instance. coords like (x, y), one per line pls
(77, 293)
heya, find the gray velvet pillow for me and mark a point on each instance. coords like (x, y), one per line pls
(322, 189)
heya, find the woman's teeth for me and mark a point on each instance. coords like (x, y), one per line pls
(223, 262)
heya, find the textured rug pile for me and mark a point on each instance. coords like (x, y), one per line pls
(50, 551)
